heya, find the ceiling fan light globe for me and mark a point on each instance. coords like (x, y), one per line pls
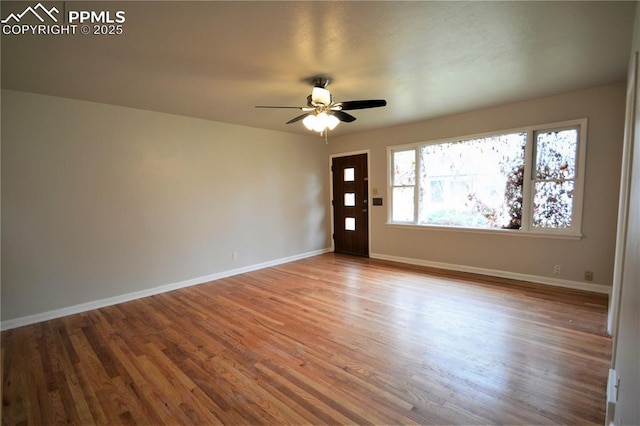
(320, 95)
(332, 122)
(319, 127)
(323, 122)
(310, 122)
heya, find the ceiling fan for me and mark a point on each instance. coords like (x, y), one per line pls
(322, 113)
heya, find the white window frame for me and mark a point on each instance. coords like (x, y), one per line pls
(415, 186)
(527, 229)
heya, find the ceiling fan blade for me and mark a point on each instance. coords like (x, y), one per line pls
(371, 103)
(274, 106)
(343, 116)
(298, 118)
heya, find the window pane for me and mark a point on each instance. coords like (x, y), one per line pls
(556, 154)
(404, 168)
(553, 204)
(436, 191)
(403, 204)
(349, 199)
(349, 174)
(473, 183)
(349, 223)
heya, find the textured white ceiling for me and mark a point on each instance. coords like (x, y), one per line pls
(217, 60)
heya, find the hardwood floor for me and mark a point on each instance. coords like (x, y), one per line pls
(326, 340)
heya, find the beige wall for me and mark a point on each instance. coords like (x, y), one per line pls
(100, 201)
(603, 106)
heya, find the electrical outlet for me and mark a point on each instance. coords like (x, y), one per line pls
(588, 275)
(234, 255)
(556, 269)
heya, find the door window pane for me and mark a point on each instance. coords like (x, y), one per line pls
(349, 174)
(349, 199)
(349, 223)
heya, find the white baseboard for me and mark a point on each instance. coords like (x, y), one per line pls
(101, 303)
(576, 285)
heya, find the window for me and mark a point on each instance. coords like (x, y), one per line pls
(403, 185)
(525, 180)
(554, 178)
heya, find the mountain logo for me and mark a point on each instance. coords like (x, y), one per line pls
(38, 11)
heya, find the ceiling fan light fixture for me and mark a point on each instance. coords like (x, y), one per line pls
(320, 122)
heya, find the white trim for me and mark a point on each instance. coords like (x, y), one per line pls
(350, 153)
(101, 303)
(576, 285)
(613, 316)
(487, 231)
(522, 129)
(526, 216)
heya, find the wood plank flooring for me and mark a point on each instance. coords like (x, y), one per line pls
(326, 340)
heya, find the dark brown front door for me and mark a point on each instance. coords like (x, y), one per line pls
(350, 205)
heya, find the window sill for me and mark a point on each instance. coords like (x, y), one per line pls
(502, 232)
